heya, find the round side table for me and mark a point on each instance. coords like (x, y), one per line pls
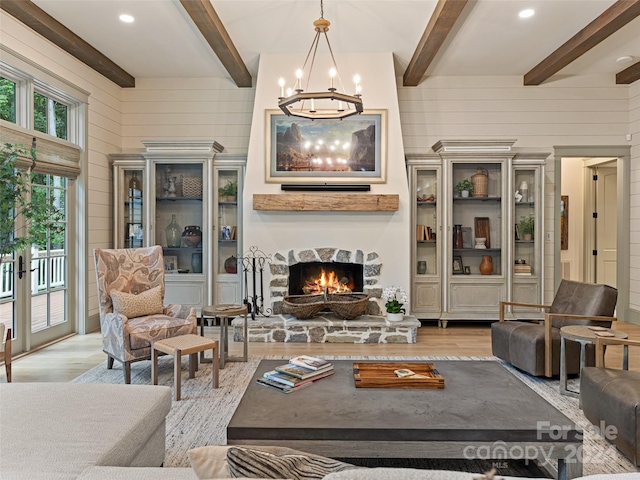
(223, 312)
(584, 335)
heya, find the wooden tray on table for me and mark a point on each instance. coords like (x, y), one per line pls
(382, 375)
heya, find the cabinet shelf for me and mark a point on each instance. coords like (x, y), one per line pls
(476, 199)
(478, 251)
(432, 242)
(529, 242)
(184, 249)
(426, 202)
(175, 199)
(525, 204)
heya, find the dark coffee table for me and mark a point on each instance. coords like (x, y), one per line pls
(484, 412)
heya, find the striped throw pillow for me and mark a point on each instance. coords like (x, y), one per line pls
(245, 462)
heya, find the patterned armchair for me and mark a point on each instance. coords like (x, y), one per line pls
(5, 350)
(132, 313)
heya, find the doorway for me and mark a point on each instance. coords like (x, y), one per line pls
(596, 182)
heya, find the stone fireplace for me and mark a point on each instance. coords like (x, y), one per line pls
(284, 262)
(314, 278)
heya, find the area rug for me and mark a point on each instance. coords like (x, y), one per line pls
(201, 417)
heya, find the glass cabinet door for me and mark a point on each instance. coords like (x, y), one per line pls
(525, 238)
(180, 216)
(132, 203)
(426, 227)
(476, 221)
(227, 221)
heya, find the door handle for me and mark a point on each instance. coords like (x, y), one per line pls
(21, 270)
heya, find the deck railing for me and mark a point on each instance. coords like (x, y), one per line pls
(56, 272)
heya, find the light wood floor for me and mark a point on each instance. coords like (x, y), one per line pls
(65, 360)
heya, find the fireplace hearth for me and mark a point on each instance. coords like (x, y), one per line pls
(363, 268)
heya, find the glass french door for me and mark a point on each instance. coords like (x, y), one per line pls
(34, 283)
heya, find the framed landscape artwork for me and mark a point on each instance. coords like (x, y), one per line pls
(300, 150)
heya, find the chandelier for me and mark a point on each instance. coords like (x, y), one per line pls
(326, 104)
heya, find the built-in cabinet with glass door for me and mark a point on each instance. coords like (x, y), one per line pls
(481, 206)
(170, 196)
(426, 288)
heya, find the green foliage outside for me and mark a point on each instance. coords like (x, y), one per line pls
(42, 214)
(7, 100)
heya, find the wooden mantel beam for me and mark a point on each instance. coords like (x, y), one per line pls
(206, 19)
(322, 202)
(440, 25)
(628, 75)
(47, 26)
(609, 22)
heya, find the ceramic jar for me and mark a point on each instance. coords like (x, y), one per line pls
(231, 264)
(192, 236)
(486, 265)
(196, 262)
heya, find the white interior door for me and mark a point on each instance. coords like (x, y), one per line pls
(606, 225)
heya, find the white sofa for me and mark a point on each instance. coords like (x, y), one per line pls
(69, 431)
(54, 431)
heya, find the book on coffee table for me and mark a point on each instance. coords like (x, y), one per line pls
(301, 372)
(265, 382)
(295, 382)
(312, 363)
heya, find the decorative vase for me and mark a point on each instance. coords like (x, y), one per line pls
(458, 242)
(464, 193)
(480, 182)
(395, 317)
(173, 233)
(422, 267)
(192, 236)
(231, 264)
(486, 265)
(196, 262)
(480, 243)
(527, 237)
(171, 187)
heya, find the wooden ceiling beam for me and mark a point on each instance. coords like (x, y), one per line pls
(628, 75)
(609, 22)
(47, 26)
(440, 25)
(206, 19)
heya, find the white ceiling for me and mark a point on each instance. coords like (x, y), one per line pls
(489, 38)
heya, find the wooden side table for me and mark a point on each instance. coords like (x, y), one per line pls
(223, 312)
(584, 336)
(184, 345)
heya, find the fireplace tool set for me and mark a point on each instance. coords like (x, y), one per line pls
(254, 262)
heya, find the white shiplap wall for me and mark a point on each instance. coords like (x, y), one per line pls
(104, 137)
(588, 110)
(187, 109)
(634, 213)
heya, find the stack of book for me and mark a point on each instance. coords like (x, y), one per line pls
(521, 269)
(300, 372)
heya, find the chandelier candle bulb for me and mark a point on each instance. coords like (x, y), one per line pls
(299, 80)
(281, 83)
(332, 74)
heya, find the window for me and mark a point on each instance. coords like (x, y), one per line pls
(49, 116)
(7, 100)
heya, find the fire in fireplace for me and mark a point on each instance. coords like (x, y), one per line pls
(314, 277)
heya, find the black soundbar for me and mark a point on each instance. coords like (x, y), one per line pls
(324, 187)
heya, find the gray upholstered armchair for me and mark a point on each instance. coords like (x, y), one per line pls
(132, 311)
(534, 347)
(611, 397)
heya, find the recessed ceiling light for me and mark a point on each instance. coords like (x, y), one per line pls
(529, 12)
(624, 59)
(126, 18)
